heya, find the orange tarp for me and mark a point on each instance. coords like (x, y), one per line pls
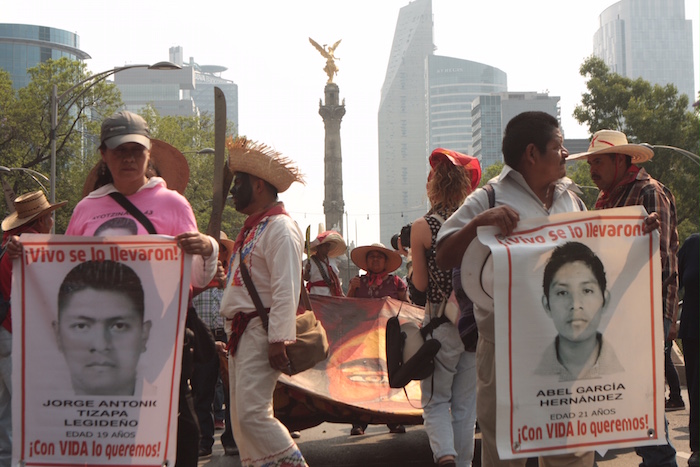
(352, 384)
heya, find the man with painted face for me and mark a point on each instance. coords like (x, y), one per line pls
(612, 161)
(270, 245)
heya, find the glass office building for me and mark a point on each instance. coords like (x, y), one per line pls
(453, 84)
(402, 129)
(23, 46)
(649, 39)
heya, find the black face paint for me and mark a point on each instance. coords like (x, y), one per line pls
(242, 191)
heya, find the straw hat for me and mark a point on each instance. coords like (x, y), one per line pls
(228, 244)
(224, 240)
(28, 207)
(477, 274)
(168, 162)
(263, 162)
(614, 142)
(338, 246)
(359, 257)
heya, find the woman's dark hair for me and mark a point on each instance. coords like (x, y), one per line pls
(568, 253)
(527, 128)
(118, 223)
(102, 275)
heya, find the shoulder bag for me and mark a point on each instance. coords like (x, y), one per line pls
(311, 346)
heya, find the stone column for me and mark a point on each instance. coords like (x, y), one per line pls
(332, 113)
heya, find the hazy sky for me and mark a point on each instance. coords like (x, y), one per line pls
(264, 44)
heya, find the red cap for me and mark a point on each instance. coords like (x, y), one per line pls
(471, 164)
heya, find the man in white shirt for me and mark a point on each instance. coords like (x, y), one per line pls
(531, 184)
(270, 246)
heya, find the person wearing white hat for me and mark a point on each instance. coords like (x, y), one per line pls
(612, 161)
(379, 262)
(32, 215)
(320, 270)
(531, 184)
(270, 245)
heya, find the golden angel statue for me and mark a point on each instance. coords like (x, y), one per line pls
(329, 54)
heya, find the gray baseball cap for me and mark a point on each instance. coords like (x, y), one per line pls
(125, 127)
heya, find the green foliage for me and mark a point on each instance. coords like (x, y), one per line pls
(490, 172)
(190, 135)
(578, 172)
(646, 113)
(25, 123)
(27, 115)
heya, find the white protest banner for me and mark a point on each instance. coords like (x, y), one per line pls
(579, 334)
(98, 328)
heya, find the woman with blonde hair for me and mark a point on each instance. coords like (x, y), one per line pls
(449, 396)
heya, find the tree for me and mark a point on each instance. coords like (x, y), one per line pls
(489, 172)
(190, 135)
(28, 142)
(647, 113)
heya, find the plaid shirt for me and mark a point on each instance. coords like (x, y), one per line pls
(207, 305)
(655, 197)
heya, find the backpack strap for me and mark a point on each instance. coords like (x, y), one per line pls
(488, 188)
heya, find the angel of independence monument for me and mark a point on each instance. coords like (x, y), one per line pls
(332, 112)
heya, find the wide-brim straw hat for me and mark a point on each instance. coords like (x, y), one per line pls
(28, 207)
(359, 257)
(228, 244)
(330, 236)
(167, 161)
(614, 142)
(477, 274)
(263, 162)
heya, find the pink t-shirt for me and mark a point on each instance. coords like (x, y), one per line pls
(99, 214)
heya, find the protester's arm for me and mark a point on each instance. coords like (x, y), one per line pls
(421, 237)
(205, 251)
(354, 284)
(451, 248)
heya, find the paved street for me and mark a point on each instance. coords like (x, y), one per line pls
(331, 445)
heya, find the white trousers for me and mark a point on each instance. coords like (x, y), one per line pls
(260, 437)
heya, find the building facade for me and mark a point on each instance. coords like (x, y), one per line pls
(185, 92)
(24, 46)
(452, 86)
(491, 113)
(649, 39)
(402, 121)
(487, 130)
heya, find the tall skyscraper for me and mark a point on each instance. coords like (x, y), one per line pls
(425, 103)
(649, 39)
(402, 131)
(24, 46)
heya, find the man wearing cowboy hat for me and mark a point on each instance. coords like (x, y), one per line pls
(612, 162)
(269, 247)
(320, 270)
(32, 215)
